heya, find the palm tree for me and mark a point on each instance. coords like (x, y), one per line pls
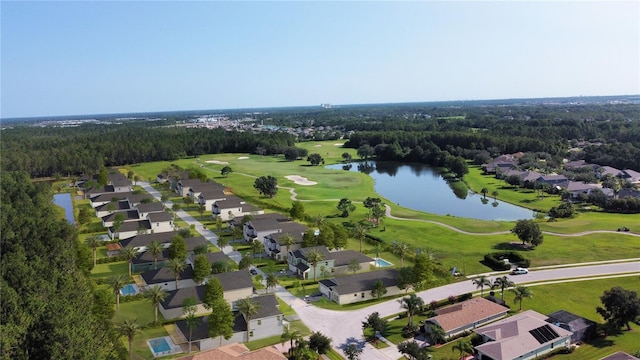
(413, 304)
(521, 292)
(129, 328)
(318, 221)
(116, 283)
(402, 249)
(502, 283)
(359, 232)
(156, 295)
(257, 247)
(272, 281)
(129, 253)
(436, 333)
(292, 336)
(248, 308)
(463, 346)
(480, 282)
(176, 266)
(287, 240)
(93, 242)
(494, 193)
(155, 249)
(484, 192)
(314, 257)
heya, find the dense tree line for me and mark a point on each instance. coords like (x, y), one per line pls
(47, 307)
(46, 151)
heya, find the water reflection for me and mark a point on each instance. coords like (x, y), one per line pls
(420, 187)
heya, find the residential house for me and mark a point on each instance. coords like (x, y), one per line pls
(467, 315)
(524, 336)
(130, 229)
(127, 216)
(236, 351)
(354, 288)
(111, 207)
(609, 170)
(272, 242)
(184, 185)
(144, 209)
(552, 179)
(208, 197)
(526, 177)
(233, 206)
(236, 285)
(144, 260)
(631, 176)
(165, 278)
(578, 189)
(134, 199)
(583, 329)
(262, 225)
(502, 163)
(333, 262)
(268, 322)
(625, 192)
(141, 241)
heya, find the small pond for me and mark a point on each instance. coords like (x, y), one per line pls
(421, 187)
(64, 201)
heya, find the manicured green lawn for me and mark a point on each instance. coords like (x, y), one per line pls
(138, 309)
(110, 269)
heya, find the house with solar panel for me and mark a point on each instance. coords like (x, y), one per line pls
(523, 336)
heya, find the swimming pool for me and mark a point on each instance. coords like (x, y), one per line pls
(130, 289)
(163, 346)
(382, 262)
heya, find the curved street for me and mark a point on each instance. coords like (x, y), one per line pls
(346, 326)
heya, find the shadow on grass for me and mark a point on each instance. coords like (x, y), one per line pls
(510, 246)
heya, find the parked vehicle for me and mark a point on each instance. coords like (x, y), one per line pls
(519, 271)
(253, 272)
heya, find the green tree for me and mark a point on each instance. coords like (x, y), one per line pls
(377, 213)
(326, 237)
(412, 350)
(401, 249)
(130, 328)
(291, 336)
(458, 166)
(340, 236)
(621, 306)
(319, 342)
(155, 249)
(221, 320)
(495, 194)
(116, 283)
(156, 295)
(376, 323)
(413, 304)
(463, 346)
(480, 282)
(369, 203)
(315, 159)
(218, 224)
(352, 351)
(365, 151)
(128, 253)
(406, 278)
(346, 157)
(354, 265)
(257, 248)
(345, 206)
(484, 192)
(287, 240)
(378, 289)
(272, 281)
(201, 268)
(189, 308)
(436, 333)
(118, 220)
(213, 291)
(297, 210)
(248, 308)
(422, 268)
(178, 248)
(188, 201)
(528, 231)
(201, 210)
(266, 185)
(502, 283)
(226, 170)
(103, 177)
(359, 232)
(520, 293)
(314, 257)
(245, 263)
(176, 266)
(94, 242)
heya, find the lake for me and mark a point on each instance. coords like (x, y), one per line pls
(64, 201)
(421, 187)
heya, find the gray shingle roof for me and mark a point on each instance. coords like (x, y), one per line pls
(165, 275)
(234, 280)
(267, 306)
(176, 298)
(361, 282)
(343, 258)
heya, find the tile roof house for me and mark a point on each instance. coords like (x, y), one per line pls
(523, 336)
(236, 351)
(349, 289)
(467, 315)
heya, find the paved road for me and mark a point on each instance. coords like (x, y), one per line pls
(346, 326)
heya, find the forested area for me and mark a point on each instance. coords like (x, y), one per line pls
(410, 132)
(47, 307)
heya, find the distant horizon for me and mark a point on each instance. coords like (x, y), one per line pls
(318, 105)
(104, 57)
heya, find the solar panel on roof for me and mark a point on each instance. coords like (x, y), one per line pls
(544, 334)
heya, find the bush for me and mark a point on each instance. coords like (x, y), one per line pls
(111, 259)
(495, 260)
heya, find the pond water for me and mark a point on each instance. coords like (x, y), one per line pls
(64, 201)
(421, 187)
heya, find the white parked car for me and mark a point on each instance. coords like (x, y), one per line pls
(519, 271)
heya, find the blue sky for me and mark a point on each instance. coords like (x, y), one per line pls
(94, 57)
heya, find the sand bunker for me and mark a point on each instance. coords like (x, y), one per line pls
(243, 158)
(300, 180)
(217, 162)
(317, 145)
(338, 144)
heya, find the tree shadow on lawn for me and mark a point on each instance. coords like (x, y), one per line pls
(515, 246)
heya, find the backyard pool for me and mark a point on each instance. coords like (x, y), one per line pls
(382, 262)
(130, 289)
(162, 346)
